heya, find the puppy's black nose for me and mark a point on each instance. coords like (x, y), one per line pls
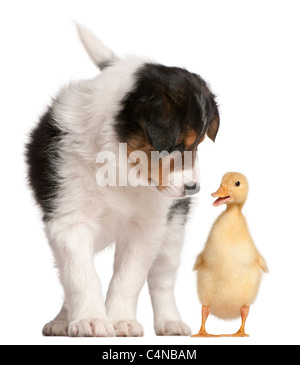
(191, 189)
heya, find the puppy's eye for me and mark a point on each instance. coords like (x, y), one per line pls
(237, 183)
(178, 146)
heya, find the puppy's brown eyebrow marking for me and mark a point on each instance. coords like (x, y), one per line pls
(190, 137)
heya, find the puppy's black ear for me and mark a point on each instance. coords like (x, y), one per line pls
(161, 136)
(156, 115)
(214, 126)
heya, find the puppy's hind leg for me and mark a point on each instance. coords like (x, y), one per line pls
(59, 325)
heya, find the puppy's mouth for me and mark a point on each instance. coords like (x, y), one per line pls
(174, 192)
(221, 201)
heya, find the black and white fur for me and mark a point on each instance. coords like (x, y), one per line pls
(81, 218)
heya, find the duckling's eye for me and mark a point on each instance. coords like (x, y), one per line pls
(237, 183)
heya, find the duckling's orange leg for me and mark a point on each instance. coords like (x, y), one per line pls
(205, 313)
(202, 332)
(241, 331)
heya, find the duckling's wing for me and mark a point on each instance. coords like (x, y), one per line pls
(199, 262)
(262, 263)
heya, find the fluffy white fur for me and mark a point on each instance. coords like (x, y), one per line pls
(89, 218)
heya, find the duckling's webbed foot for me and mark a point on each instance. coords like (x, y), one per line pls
(239, 333)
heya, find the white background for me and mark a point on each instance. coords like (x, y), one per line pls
(249, 52)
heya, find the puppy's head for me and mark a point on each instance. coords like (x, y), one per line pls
(165, 115)
(169, 109)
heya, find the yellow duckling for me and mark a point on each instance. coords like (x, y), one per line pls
(229, 269)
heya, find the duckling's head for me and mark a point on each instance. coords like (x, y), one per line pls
(233, 190)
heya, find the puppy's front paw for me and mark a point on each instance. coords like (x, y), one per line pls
(91, 328)
(56, 328)
(172, 328)
(129, 328)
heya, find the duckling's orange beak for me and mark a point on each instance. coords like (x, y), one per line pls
(222, 194)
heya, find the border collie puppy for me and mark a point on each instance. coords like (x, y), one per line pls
(148, 107)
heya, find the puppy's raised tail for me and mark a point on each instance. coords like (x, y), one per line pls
(100, 54)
